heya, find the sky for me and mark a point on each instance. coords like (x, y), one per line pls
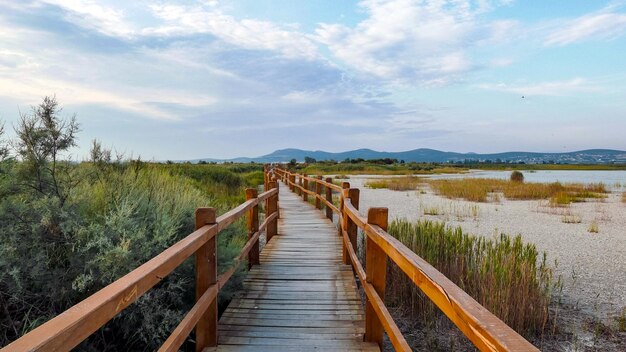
(220, 79)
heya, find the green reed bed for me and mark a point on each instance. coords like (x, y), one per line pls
(508, 277)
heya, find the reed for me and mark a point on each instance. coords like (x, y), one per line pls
(508, 277)
(478, 190)
(395, 184)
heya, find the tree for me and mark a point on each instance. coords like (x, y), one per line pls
(293, 162)
(4, 149)
(309, 160)
(42, 138)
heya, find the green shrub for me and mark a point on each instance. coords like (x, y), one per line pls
(67, 230)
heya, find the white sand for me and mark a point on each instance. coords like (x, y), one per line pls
(592, 265)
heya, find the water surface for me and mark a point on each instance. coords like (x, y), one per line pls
(611, 178)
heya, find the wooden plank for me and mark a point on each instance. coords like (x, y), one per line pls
(273, 348)
(337, 343)
(301, 296)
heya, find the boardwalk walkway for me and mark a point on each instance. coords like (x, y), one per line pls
(301, 297)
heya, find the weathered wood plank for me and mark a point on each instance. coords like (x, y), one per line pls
(301, 297)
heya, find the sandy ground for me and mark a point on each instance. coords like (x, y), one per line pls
(592, 265)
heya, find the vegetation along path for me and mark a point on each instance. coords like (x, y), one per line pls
(302, 297)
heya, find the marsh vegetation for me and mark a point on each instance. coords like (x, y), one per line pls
(510, 278)
(68, 229)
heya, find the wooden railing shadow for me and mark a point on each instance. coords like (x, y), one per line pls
(486, 331)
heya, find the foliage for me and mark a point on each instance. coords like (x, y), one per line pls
(42, 138)
(509, 278)
(69, 229)
(517, 176)
(4, 149)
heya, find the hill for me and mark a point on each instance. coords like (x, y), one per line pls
(590, 156)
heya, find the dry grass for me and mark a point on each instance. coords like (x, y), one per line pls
(509, 278)
(571, 219)
(593, 227)
(624, 197)
(478, 190)
(395, 183)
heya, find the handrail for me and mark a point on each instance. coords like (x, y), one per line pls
(71, 327)
(486, 331)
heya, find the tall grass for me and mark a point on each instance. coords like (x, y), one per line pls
(478, 190)
(509, 278)
(624, 197)
(396, 183)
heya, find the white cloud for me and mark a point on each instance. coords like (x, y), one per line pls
(139, 101)
(91, 15)
(409, 40)
(246, 33)
(603, 25)
(555, 88)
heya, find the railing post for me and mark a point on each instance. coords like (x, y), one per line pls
(350, 226)
(305, 195)
(329, 199)
(301, 183)
(375, 274)
(271, 208)
(318, 192)
(344, 185)
(206, 275)
(253, 227)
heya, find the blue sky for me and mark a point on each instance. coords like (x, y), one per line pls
(191, 79)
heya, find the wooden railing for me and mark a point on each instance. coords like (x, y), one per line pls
(486, 331)
(71, 327)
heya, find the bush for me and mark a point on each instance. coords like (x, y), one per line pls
(67, 230)
(517, 176)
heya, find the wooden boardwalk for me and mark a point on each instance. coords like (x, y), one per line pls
(299, 296)
(302, 297)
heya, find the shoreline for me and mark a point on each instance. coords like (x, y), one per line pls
(592, 265)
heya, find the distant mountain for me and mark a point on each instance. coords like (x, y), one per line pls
(590, 156)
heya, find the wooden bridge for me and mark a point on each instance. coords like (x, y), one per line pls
(302, 292)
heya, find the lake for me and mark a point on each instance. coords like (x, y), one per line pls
(613, 179)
